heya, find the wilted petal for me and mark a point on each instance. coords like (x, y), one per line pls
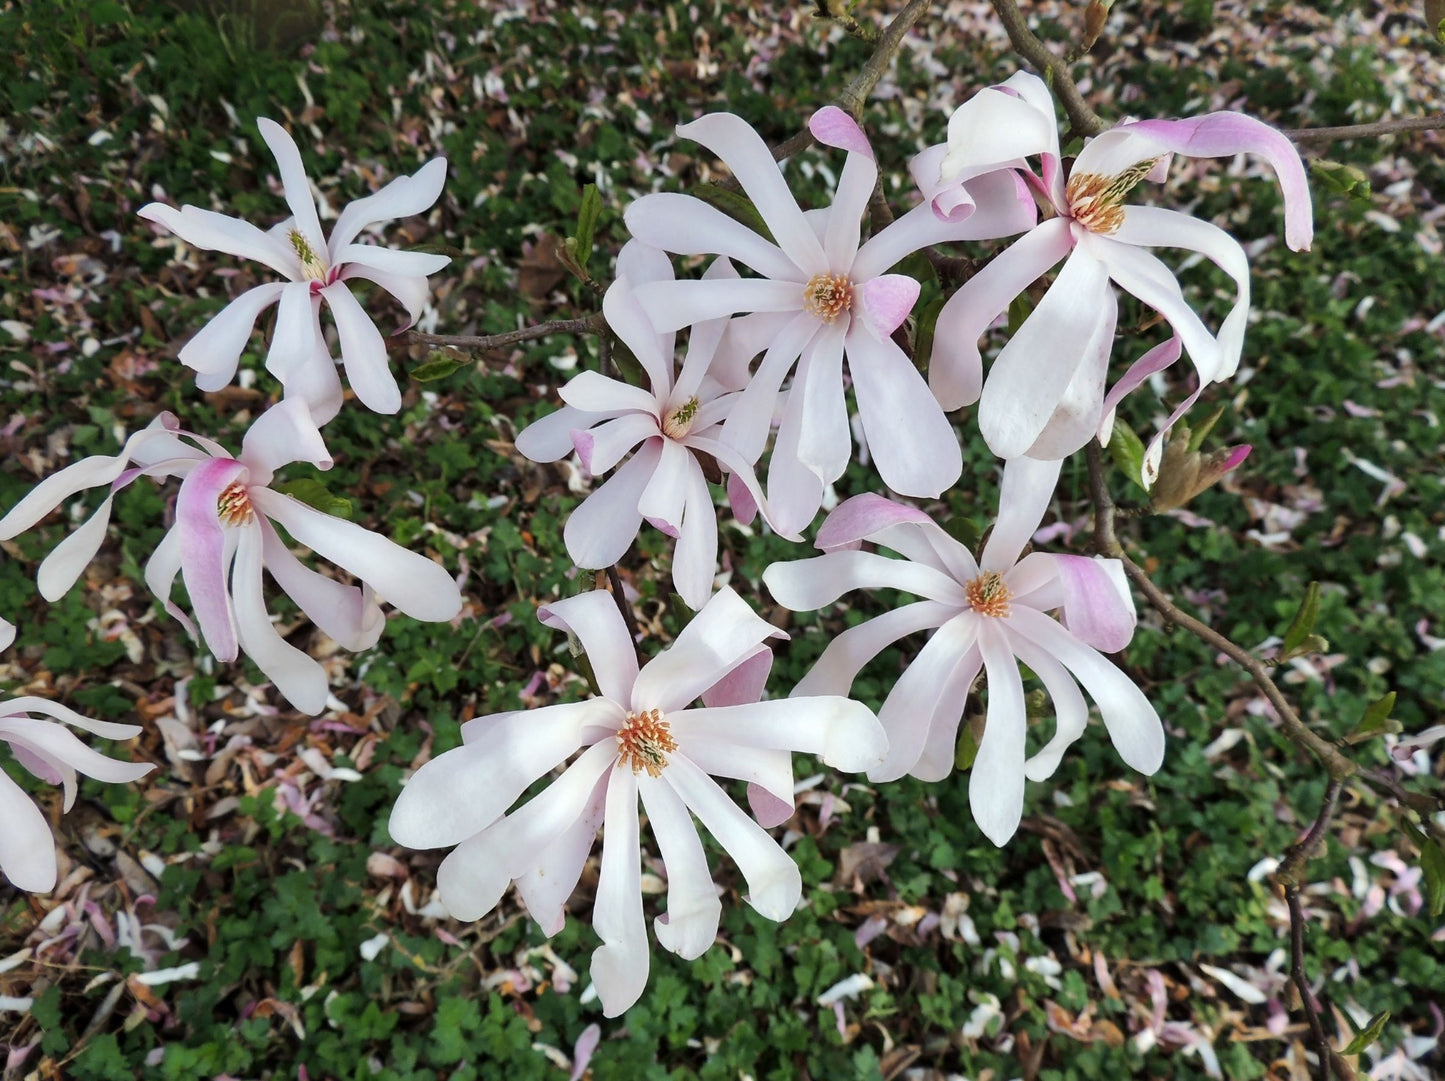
(1027, 489)
(619, 965)
(996, 782)
(597, 622)
(689, 926)
(403, 197)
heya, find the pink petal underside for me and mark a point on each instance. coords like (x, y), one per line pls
(596, 621)
(831, 126)
(203, 546)
(855, 519)
(745, 683)
(1098, 607)
(887, 301)
(744, 504)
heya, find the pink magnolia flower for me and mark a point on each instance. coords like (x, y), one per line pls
(317, 269)
(223, 537)
(668, 427)
(822, 297)
(1045, 392)
(52, 753)
(638, 740)
(984, 616)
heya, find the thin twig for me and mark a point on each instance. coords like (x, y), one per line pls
(615, 581)
(853, 98)
(1027, 44)
(1368, 131)
(592, 324)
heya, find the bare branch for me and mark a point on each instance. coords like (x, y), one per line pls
(857, 92)
(1368, 131)
(592, 324)
(1056, 73)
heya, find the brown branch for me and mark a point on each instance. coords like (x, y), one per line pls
(857, 92)
(615, 581)
(1027, 44)
(1368, 131)
(592, 324)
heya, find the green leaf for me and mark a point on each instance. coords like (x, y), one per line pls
(1197, 435)
(1367, 1035)
(1432, 862)
(314, 494)
(438, 366)
(587, 215)
(967, 748)
(1127, 450)
(1342, 178)
(964, 530)
(1300, 637)
(923, 332)
(736, 206)
(1019, 309)
(1376, 721)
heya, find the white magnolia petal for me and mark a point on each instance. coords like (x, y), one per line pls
(825, 442)
(596, 393)
(350, 616)
(640, 262)
(596, 621)
(940, 749)
(316, 382)
(209, 231)
(410, 581)
(850, 201)
(363, 352)
(673, 305)
(59, 746)
(740, 474)
(629, 321)
(1077, 415)
(215, 350)
(27, 850)
(411, 293)
(774, 882)
(403, 264)
(996, 782)
(1071, 712)
(744, 337)
(283, 434)
(59, 570)
(847, 653)
(752, 415)
(32, 704)
(602, 447)
(547, 887)
(908, 711)
(769, 774)
(297, 337)
(703, 343)
(844, 734)
(795, 489)
(689, 226)
(694, 560)
(301, 680)
(1027, 489)
(401, 198)
(1034, 580)
(599, 531)
(805, 584)
(7, 634)
(160, 577)
(744, 683)
(690, 924)
(619, 965)
(549, 438)
(955, 370)
(663, 500)
(294, 184)
(998, 126)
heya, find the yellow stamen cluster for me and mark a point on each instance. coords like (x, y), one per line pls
(313, 268)
(827, 296)
(1095, 200)
(988, 596)
(645, 741)
(677, 423)
(233, 506)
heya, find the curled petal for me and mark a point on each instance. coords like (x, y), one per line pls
(806, 584)
(348, 614)
(845, 656)
(843, 733)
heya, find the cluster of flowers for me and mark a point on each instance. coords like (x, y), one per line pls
(817, 299)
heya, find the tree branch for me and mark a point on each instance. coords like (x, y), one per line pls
(1027, 44)
(1368, 131)
(592, 324)
(857, 91)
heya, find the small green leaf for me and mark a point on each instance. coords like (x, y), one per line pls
(587, 215)
(1367, 1035)
(1127, 450)
(923, 332)
(964, 530)
(1300, 637)
(967, 748)
(1019, 309)
(1376, 721)
(1432, 862)
(736, 206)
(314, 494)
(438, 366)
(1342, 178)
(1197, 435)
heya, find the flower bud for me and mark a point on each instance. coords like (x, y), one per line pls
(1096, 14)
(1184, 472)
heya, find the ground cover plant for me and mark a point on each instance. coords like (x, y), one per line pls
(245, 912)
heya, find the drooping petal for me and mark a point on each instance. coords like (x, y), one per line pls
(160, 576)
(547, 887)
(744, 683)
(411, 582)
(549, 438)
(59, 746)
(27, 850)
(689, 226)
(1071, 712)
(996, 782)
(1098, 608)
(283, 434)
(620, 964)
(599, 531)
(825, 443)
(806, 584)
(744, 492)
(955, 370)
(1075, 418)
(690, 924)
(59, 570)
(203, 551)
(795, 489)
(297, 337)
(912, 442)
(411, 293)
(673, 305)
(1155, 360)
(1027, 489)
(694, 560)
(209, 231)
(300, 679)
(596, 621)
(769, 774)
(663, 500)
(294, 184)
(33, 704)
(215, 350)
(908, 711)
(316, 382)
(346, 613)
(848, 652)
(401, 198)
(363, 352)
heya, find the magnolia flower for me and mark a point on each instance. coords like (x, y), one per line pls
(1045, 393)
(678, 420)
(52, 753)
(984, 615)
(223, 531)
(316, 269)
(638, 740)
(822, 297)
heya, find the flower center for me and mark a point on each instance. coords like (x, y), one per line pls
(645, 741)
(1095, 199)
(827, 296)
(233, 506)
(679, 422)
(988, 596)
(313, 267)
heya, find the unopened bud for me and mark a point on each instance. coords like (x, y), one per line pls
(1096, 14)
(1184, 472)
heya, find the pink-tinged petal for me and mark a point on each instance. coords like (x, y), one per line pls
(745, 495)
(160, 577)
(594, 618)
(744, 337)
(215, 351)
(774, 884)
(629, 321)
(1003, 208)
(411, 293)
(301, 680)
(1133, 724)
(209, 231)
(825, 442)
(594, 392)
(847, 653)
(694, 561)
(940, 749)
(744, 684)
(950, 201)
(887, 300)
(411, 582)
(843, 733)
(752, 415)
(769, 809)
(598, 532)
(664, 499)
(1027, 489)
(724, 634)
(955, 371)
(59, 746)
(855, 520)
(676, 304)
(855, 186)
(1143, 275)
(1215, 135)
(297, 337)
(550, 438)
(913, 445)
(1071, 712)
(317, 383)
(805, 584)
(1075, 418)
(283, 434)
(348, 614)
(546, 887)
(602, 447)
(472, 879)
(1154, 450)
(996, 782)
(401, 198)
(294, 185)
(59, 570)
(203, 551)
(689, 226)
(619, 965)
(908, 711)
(833, 127)
(402, 264)
(744, 152)
(1150, 226)
(1098, 608)
(363, 352)
(463, 791)
(1036, 367)
(583, 1050)
(743, 498)
(1155, 360)
(689, 926)
(27, 851)
(768, 773)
